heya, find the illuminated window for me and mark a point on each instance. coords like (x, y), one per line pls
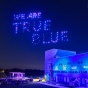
(56, 68)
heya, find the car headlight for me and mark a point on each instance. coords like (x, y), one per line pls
(35, 80)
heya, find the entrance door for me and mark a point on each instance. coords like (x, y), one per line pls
(64, 79)
(56, 78)
(67, 79)
(83, 80)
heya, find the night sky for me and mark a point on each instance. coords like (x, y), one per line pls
(16, 51)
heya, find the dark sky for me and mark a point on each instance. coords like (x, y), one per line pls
(16, 51)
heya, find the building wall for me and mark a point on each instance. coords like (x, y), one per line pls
(63, 68)
(71, 67)
(51, 57)
(72, 63)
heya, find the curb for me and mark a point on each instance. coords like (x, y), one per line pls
(48, 84)
(57, 85)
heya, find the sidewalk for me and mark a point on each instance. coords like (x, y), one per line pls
(56, 85)
(53, 85)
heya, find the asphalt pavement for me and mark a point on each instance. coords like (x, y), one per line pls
(29, 85)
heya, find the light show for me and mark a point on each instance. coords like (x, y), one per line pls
(40, 29)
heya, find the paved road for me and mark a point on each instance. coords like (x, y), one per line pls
(30, 85)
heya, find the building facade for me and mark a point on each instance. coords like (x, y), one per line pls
(17, 75)
(62, 65)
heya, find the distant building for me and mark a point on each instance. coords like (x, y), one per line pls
(63, 65)
(17, 75)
